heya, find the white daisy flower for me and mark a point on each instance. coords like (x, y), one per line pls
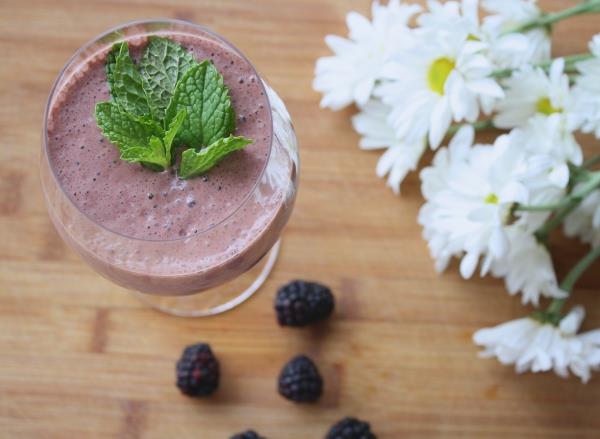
(535, 346)
(471, 212)
(527, 268)
(550, 135)
(584, 221)
(444, 77)
(550, 146)
(530, 91)
(512, 50)
(542, 176)
(506, 50)
(400, 157)
(470, 193)
(349, 76)
(586, 92)
(450, 14)
(434, 179)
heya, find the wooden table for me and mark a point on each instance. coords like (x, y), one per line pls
(82, 358)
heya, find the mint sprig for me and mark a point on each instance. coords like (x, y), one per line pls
(153, 154)
(203, 94)
(172, 130)
(123, 128)
(195, 163)
(125, 82)
(139, 139)
(163, 64)
(170, 101)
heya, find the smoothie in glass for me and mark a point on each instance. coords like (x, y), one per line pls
(152, 231)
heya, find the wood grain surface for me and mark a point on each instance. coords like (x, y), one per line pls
(82, 358)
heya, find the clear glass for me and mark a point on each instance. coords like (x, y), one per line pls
(198, 275)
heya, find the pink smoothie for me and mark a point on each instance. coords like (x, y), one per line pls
(134, 201)
(158, 233)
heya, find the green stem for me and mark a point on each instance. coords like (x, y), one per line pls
(592, 183)
(547, 20)
(570, 65)
(570, 62)
(567, 205)
(480, 125)
(538, 208)
(577, 174)
(591, 162)
(543, 233)
(572, 277)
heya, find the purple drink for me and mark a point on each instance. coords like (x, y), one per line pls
(151, 231)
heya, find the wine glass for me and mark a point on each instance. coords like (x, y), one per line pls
(215, 268)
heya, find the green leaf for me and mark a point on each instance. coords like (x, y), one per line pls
(192, 97)
(111, 62)
(195, 163)
(172, 131)
(123, 129)
(152, 154)
(151, 124)
(164, 62)
(125, 82)
(210, 116)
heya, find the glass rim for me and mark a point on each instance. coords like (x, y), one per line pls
(115, 30)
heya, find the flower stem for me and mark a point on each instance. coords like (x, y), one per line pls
(543, 233)
(570, 62)
(547, 20)
(479, 125)
(591, 162)
(570, 65)
(537, 208)
(567, 205)
(592, 182)
(572, 277)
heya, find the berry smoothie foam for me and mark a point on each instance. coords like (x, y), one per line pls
(152, 231)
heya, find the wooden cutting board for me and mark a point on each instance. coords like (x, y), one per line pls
(82, 358)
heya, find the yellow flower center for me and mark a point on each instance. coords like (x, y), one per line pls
(472, 37)
(544, 106)
(438, 74)
(491, 199)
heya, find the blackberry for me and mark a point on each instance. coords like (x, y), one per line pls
(197, 371)
(300, 380)
(250, 434)
(300, 303)
(351, 428)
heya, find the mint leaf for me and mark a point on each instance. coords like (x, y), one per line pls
(164, 62)
(122, 128)
(111, 62)
(125, 82)
(150, 124)
(210, 116)
(172, 131)
(171, 101)
(152, 154)
(195, 163)
(139, 138)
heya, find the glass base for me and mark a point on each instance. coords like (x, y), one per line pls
(219, 299)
